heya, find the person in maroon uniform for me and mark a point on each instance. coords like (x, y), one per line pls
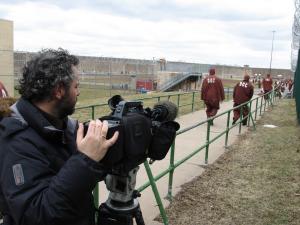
(242, 92)
(3, 91)
(212, 92)
(267, 85)
(290, 84)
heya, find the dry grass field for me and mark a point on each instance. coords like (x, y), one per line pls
(256, 182)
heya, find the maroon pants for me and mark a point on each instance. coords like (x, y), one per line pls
(237, 113)
(266, 97)
(211, 109)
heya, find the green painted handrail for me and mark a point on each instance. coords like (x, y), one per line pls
(173, 165)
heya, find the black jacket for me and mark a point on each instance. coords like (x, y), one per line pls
(43, 178)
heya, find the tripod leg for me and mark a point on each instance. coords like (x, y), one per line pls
(110, 217)
(139, 217)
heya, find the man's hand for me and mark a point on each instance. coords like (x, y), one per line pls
(95, 144)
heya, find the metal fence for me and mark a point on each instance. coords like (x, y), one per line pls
(256, 106)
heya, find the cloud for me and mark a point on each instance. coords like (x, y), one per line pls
(203, 31)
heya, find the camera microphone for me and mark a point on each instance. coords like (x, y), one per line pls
(164, 111)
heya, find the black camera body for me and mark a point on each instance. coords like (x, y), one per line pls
(141, 135)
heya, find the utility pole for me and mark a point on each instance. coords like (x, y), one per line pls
(271, 52)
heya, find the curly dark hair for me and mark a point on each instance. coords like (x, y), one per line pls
(48, 69)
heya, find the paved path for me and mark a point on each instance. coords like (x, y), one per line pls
(185, 144)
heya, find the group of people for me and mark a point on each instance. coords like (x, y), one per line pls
(48, 168)
(212, 93)
(284, 88)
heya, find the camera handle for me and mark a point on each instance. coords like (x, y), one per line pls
(121, 207)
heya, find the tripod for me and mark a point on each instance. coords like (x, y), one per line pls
(121, 207)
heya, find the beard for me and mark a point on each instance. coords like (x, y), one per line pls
(66, 106)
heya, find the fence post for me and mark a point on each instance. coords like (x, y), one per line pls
(178, 100)
(156, 193)
(227, 129)
(250, 117)
(207, 140)
(256, 108)
(261, 105)
(271, 98)
(249, 113)
(171, 166)
(241, 117)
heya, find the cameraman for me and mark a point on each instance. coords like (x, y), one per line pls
(47, 168)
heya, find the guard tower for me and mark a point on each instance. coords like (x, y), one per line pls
(7, 55)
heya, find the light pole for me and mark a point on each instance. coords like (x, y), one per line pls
(271, 51)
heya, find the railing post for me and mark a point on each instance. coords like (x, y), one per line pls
(171, 167)
(207, 140)
(227, 129)
(156, 193)
(250, 117)
(271, 98)
(256, 108)
(193, 101)
(249, 113)
(241, 117)
(261, 105)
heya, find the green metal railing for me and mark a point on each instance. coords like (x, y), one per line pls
(85, 113)
(260, 103)
(95, 111)
(173, 165)
(183, 100)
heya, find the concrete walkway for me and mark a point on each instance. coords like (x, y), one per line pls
(185, 144)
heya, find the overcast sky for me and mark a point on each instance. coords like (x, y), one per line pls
(232, 32)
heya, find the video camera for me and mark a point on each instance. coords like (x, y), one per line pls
(143, 133)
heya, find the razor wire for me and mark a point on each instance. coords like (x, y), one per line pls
(295, 36)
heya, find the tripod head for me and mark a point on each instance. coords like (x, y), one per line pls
(121, 206)
(122, 193)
